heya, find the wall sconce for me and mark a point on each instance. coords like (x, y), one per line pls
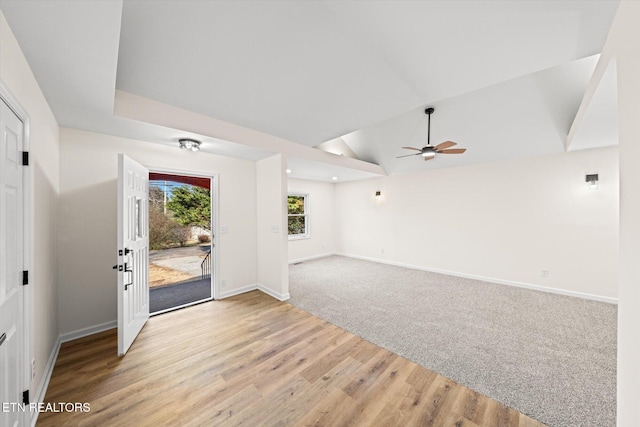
(189, 144)
(378, 196)
(592, 180)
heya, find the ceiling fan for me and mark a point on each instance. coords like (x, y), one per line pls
(429, 151)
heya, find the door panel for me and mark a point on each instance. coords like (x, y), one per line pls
(133, 250)
(12, 332)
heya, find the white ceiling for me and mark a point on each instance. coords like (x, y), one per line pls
(506, 77)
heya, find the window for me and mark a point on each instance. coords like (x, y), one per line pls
(298, 215)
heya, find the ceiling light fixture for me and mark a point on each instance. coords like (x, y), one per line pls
(289, 171)
(334, 178)
(378, 195)
(189, 144)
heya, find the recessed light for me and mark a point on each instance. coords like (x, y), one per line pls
(334, 178)
(288, 170)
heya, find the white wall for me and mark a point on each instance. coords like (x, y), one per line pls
(624, 40)
(505, 220)
(273, 273)
(322, 225)
(43, 175)
(87, 212)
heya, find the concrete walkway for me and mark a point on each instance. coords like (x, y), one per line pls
(186, 264)
(187, 251)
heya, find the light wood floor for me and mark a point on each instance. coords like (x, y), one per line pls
(251, 360)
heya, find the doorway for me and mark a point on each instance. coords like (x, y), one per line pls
(181, 261)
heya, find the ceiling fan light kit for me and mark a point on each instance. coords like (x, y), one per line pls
(428, 152)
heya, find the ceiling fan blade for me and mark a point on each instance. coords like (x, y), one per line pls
(409, 155)
(443, 145)
(453, 151)
(412, 148)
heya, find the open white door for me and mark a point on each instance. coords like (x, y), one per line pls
(133, 250)
(12, 333)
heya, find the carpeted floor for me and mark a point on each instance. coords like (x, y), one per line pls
(549, 356)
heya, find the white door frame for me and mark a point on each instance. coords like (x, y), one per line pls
(215, 213)
(14, 105)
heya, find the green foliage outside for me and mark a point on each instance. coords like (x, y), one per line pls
(296, 204)
(296, 207)
(296, 225)
(164, 231)
(191, 206)
(188, 206)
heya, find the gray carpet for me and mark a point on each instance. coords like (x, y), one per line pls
(549, 356)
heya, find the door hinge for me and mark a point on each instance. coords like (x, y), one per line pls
(25, 277)
(25, 397)
(25, 158)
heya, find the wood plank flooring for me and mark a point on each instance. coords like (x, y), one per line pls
(251, 360)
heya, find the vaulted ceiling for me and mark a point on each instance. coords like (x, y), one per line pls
(506, 77)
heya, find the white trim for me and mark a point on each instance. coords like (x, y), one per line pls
(85, 332)
(46, 377)
(215, 224)
(238, 291)
(565, 292)
(294, 237)
(276, 295)
(309, 258)
(48, 370)
(253, 287)
(306, 214)
(178, 307)
(215, 233)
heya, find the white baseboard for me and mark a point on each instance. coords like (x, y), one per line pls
(237, 291)
(309, 258)
(46, 377)
(48, 370)
(256, 286)
(276, 295)
(85, 332)
(490, 279)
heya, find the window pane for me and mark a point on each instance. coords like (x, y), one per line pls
(296, 204)
(297, 225)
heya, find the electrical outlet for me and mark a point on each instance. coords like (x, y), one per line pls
(223, 283)
(382, 251)
(545, 273)
(33, 369)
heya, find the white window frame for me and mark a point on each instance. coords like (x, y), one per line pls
(307, 232)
